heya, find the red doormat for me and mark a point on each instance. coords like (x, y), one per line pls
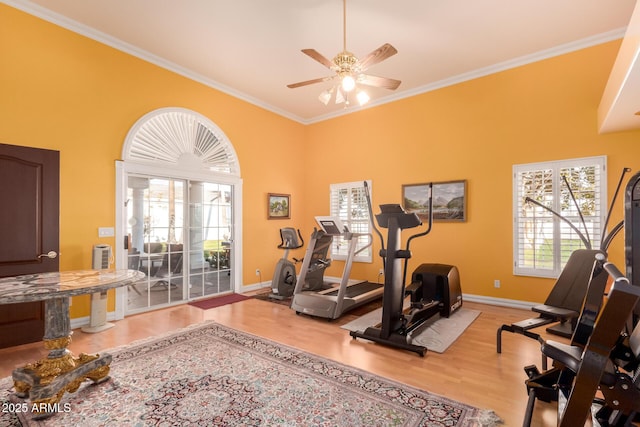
(218, 301)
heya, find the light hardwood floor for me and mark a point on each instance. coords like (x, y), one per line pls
(470, 371)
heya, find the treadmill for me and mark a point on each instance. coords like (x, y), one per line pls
(332, 300)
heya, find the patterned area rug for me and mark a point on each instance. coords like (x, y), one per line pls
(211, 375)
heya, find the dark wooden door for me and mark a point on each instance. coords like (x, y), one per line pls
(29, 230)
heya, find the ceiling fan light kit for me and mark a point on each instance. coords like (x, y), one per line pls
(348, 83)
(363, 97)
(349, 71)
(325, 96)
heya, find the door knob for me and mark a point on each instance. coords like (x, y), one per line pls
(50, 254)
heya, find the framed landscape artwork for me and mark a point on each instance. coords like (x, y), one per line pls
(278, 206)
(449, 200)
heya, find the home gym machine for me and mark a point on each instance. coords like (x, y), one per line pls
(564, 303)
(597, 375)
(284, 276)
(315, 296)
(434, 288)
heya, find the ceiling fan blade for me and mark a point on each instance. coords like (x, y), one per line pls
(376, 81)
(378, 55)
(314, 54)
(310, 82)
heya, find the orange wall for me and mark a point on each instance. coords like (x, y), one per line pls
(475, 131)
(62, 91)
(65, 92)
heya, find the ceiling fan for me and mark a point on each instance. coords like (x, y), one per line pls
(349, 70)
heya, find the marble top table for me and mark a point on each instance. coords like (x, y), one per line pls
(45, 382)
(44, 286)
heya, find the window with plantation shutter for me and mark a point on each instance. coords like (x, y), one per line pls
(542, 240)
(349, 203)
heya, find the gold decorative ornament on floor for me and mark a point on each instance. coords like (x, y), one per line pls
(45, 382)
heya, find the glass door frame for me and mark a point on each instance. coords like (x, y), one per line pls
(123, 169)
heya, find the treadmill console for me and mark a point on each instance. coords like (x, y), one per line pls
(331, 225)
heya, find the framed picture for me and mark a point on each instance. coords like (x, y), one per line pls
(449, 200)
(279, 206)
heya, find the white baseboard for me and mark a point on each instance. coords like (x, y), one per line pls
(525, 305)
(503, 302)
(256, 286)
(79, 322)
(267, 284)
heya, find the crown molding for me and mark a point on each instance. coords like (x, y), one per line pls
(69, 24)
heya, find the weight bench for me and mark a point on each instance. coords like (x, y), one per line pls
(565, 301)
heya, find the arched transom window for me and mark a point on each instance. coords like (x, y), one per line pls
(181, 139)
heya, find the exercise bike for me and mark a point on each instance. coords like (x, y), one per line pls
(434, 288)
(284, 276)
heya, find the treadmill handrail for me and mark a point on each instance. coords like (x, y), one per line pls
(368, 245)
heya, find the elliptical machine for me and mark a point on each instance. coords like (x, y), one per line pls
(284, 276)
(434, 288)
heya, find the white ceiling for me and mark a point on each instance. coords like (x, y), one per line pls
(251, 48)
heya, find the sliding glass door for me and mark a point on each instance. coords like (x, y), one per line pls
(210, 228)
(180, 234)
